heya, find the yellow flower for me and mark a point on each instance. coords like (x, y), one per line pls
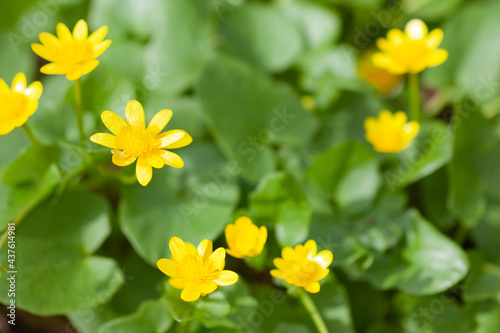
(133, 141)
(390, 133)
(197, 272)
(244, 238)
(302, 267)
(377, 77)
(18, 103)
(73, 55)
(410, 51)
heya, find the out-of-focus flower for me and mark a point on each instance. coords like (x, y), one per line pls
(133, 141)
(71, 54)
(308, 103)
(302, 267)
(410, 51)
(390, 133)
(244, 238)
(197, 272)
(381, 79)
(17, 103)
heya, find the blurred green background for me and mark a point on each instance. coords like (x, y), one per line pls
(415, 235)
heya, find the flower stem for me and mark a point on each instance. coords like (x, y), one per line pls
(79, 110)
(37, 144)
(313, 312)
(414, 87)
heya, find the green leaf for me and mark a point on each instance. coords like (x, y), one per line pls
(409, 269)
(57, 272)
(473, 174)
(483, 282)
(485, 233)
(248, 112)
(349, 173)
(317, 24)
(262, 35)
(151, 317)
(431, 149)
(472, 64)
(193, 203)
(280, 201)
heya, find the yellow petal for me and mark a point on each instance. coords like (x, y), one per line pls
(180, 249)
(191, 292)
(438, 57)
(121, 160)
(135, 114)
(400, 118)
(225, 278)
(98, 35)
(178, 283)
(104, 139)
(370, 124)
(63, 32)
(34, 91)
(395, 36)
(143, 171)
(51, 68)
(155, 160)
(276, 273)
(42, 52)
(230, 233)
(168, 267)
(208, 287)
(6, 128)
(48, 40)
(262, 238)
(235, 253)
(416, 29)
(159, 121)
(310, 248)
(217, 258)
(113, 122)
(19, 82)
(383, 44)
(243, 222)
(205, 248)
(324, 258)
(288, 253)
(279, 263)
(80, 31)
(435, 38)
(170, 158)
(4, 88)
(101, 47)
(312, 288)
(385, 116)
(87, 67)
(174, 139)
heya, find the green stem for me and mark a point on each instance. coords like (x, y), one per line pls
(37, 144)
(313, 312)
(79, 110)
(414, 87)
(461, 233)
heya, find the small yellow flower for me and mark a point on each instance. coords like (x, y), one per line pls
(302, 267)
(133, 141)
(73, 55)
(18, 103)
(244, 238)
(390, 133)
(410, 51)
(197, 272)
(377, 77)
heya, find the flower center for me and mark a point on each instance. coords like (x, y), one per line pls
(194, 269)
(12, 105)
(301, 273)
(135, 142)
(411, 51)
(74, 52)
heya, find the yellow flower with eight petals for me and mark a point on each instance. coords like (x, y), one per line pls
(197, 271)
(244, 238)
(302, 267)
(17, 103)
(410, 51)
(71, 54)
(133, 141)
(390, 133)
